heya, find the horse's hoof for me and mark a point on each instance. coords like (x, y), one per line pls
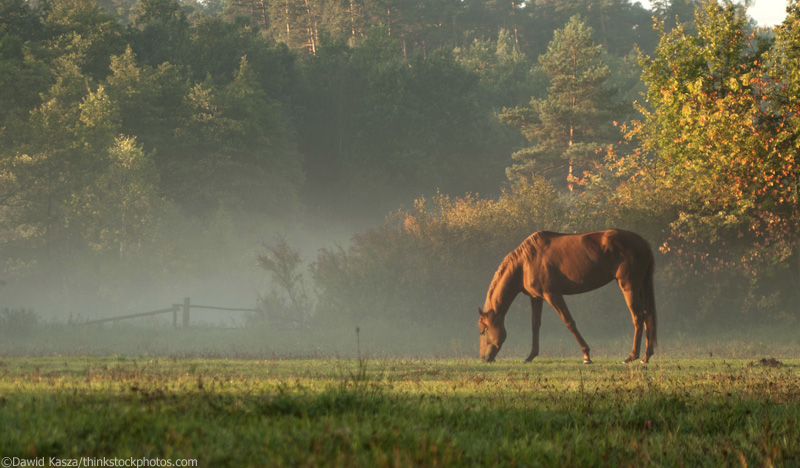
(587, 361)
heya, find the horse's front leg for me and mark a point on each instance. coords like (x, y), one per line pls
(536, 324)
(558, 303)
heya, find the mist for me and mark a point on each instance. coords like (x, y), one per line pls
(65, 299)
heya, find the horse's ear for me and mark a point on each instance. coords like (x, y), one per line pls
(481, 312)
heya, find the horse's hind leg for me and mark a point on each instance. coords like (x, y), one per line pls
(536, 323)
(557, 301)
(636, 306)
(650, 328)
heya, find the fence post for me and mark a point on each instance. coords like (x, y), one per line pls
(186, 307)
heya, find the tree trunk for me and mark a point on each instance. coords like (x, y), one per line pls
(310, 29)
(288, 30)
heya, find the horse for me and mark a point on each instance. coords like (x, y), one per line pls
(549, 265)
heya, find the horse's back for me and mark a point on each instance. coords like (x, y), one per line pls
(586, 261)
(609, 240)
(613, 243)
(628, 244)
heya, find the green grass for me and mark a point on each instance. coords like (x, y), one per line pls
(395, 412)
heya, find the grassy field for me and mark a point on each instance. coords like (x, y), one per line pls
(395, 412)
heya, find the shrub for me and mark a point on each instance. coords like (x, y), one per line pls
(431, 263)
(287, 303)
(18, 322)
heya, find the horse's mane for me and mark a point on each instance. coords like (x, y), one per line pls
(525, 250)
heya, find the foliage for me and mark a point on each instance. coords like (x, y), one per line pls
(505, 72)
(716, 159)
(383, 129)
(711, 172)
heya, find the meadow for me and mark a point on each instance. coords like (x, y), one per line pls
(397, 412)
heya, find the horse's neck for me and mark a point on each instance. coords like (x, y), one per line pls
(506, 286)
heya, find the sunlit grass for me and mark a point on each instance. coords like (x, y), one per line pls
(396, 412)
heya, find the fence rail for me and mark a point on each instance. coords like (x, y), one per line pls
(185, 308)
(129, 316)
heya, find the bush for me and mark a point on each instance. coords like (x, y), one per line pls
(431, 264)
(18, 322)
(287, 304)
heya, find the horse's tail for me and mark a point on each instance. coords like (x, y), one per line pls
(651, 319)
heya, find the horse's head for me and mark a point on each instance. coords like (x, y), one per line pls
(493, 334)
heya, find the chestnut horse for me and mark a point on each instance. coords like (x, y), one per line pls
(548, 265)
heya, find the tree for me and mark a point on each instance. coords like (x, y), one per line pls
(574, 120)
(53, 154)
(617, 25)
(296, 23)
(716, 154)
(160, 32)
(18, 18)
(254, 10)
(23, 78)
(423, 127)
(234, 150)
(85, 32)
(505, 72)
(712, 125)
(675, 12)
(379, 129)
(118, 210)
(288, 303)
(151, 102)
(217, 47)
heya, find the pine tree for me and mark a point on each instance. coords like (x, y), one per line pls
(573, 122)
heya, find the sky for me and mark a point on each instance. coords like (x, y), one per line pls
(765, 12)
(768, 12)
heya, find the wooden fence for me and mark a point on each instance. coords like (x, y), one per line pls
(183, 309)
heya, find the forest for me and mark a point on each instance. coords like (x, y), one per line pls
(340, 161)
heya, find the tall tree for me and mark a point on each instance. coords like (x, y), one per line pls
(255, 10)
(574, 121)
(296, 23)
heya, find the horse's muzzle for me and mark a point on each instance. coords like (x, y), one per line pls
(490, 354)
